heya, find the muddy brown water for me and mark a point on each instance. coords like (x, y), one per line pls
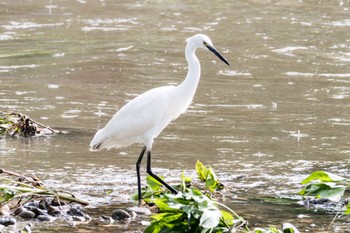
(279, 112)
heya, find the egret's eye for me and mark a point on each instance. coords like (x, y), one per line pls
(205, 43)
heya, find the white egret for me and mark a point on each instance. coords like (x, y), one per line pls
(143, 118)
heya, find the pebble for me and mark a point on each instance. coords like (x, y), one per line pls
(120, 214)
(6, 221)
(27, 214)
(43, 218)
(106, 219)
(44, 204)
(55, 202)
(75, 212)
(36, 210)
(18, 210)
(78, 218)
(139, 210)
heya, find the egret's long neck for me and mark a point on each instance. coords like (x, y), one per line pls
(189, 85)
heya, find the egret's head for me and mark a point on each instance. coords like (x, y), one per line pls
(204, 42)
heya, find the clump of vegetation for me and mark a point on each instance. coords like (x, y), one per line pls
(16, 124)
(327, 186)
(196, 210)
(16, 189)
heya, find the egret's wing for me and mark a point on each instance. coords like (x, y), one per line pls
(135, 119)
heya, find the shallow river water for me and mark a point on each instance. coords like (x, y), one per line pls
(279, 112)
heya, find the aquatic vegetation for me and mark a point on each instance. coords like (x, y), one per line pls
(17, 124)
(16, 189)
(196, 209)
(325, 185)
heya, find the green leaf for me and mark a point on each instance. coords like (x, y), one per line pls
(322, 190)
(210, 218)
(333, 194)
(6, 195)
(314, 189)
(227, 217)
(152, 183)
(109, 191)
(289, 228)
(269, 230)
(323, 177)
(201, 171)
(347, 209)
(165, 207)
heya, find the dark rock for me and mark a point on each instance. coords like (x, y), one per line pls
(56, 213)
(120, 214)
(18, 210)
(78, 218)
(6, 221)
(106, 219)
(36, 210)
(27, 214)
(44, 204)
(32, 204)
(43, 218)
(75, 212)
(55, 202)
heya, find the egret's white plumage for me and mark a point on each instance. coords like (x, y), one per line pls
(143, 118)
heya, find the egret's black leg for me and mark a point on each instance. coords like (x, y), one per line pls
(149, 171)
(138, 173)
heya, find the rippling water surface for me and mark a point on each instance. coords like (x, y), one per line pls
(279, 112)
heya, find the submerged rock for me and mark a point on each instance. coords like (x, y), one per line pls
(76, 212)
(120, 215)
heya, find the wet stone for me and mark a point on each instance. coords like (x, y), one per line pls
(44, 204)
(32, 204)
(7, 221)
(18, 211)
(27, 214)
(106, 219)
(55, 213)
(43, 218)
(139, 210)
(120, 214)
(78, 218)
(55, 202)
(36, 210)
(76, 212)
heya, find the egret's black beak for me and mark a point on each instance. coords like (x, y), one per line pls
(213, 50)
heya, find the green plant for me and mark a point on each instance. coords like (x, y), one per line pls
(321, 184)
(208, 176)
(196, 211)
(191, 211)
